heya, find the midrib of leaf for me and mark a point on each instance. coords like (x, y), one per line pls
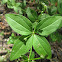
(28, 39)
(50, 24)
(46, 44)
(41, 45)
(30, 14)
(27, 21)
(19, 30)
(40, 24)
(19, 24)
(44, 22)
(16, 41)
(34, 16)
(16, 45)
(26, 24)
(50, 30)
(18, 51)
(43, 30)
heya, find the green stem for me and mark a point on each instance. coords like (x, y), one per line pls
(30, 53)
(34, 59)
(26, 37)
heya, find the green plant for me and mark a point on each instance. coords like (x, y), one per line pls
(60, 6)
(12, 39)
(33, 33)
(56, 36)
(18, 7)
(54, 6)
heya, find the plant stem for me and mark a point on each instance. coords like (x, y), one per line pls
(34, 59)
(30, 53)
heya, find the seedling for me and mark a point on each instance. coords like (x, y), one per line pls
(33, 30)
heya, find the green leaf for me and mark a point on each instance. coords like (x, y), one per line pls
(20, 48)
(49, 25)
(34, 25)
(12, 39)
(24, 3)
(53, 2)
(43, 16)
(13, 2)
(15, 9)
(20, 11)
(9, 6)
(56, 36)
(24, 57)
(32, 55)
(19, 23)
(1, 59)
(60, 6)
(32, 15)
(61, 21)
(4, 1)
(18, 4)
(53, 10)
(42, 47)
